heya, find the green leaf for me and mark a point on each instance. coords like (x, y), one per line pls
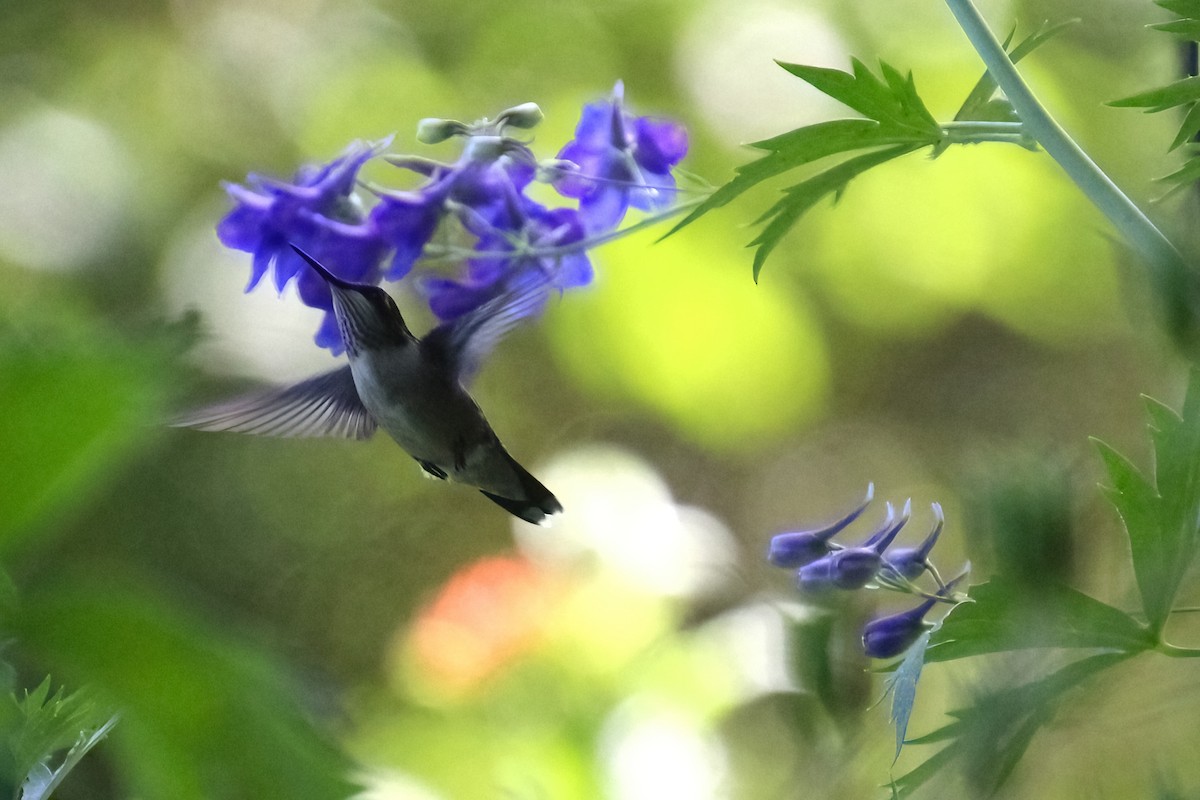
(814, 662)
(39, 725)
(1184, 8)
(902, 684)
(1161, 518)
(795, 149)
(1007, 615)
(1184, 176)
(1189, 128)
(894, 103)
(1184, 93)
(1188, 28)
(204, 717)
(1186, 90)
(895, 117)
(988, 738)
(800, 198)
(41, 781)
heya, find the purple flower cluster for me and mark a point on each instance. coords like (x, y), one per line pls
(822, 565)
(616, 161)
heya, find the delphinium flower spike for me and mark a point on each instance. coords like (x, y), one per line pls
(822, 565)
(616, 160)
(797, 548)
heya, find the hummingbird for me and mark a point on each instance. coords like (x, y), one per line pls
(415, 389)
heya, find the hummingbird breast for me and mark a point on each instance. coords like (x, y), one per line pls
(433, 418)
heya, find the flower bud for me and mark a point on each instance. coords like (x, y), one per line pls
(849, 569)
(910, 562)
(887, 637)
(419, 164)
(525, 116)
(795, 549)
(432, 130)
(887, 532)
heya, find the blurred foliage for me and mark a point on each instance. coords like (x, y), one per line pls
(1021, 519)
(254, 607)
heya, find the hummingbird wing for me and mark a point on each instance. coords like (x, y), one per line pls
(325, 405)
(463, 343)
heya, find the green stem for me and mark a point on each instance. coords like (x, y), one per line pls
(973, 132)
(980, 126)
(1128, 219)
(1185, 610)
(1177, 652)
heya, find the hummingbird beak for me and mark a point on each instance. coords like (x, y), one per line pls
(329, 277)
(367, 316)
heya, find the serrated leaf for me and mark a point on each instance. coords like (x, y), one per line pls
(1006, 615)
(204, 716)
(894, 104)
(46, 723)
(902, 684)
(1185, 90)
(1188, 129)
(904, 89)
(1189, 28)
(1184, 8)
(41, 781)
(1161, 520)
(895, 115)
(990, 736)
(800, 198)
(1183, 176)
(795, 149)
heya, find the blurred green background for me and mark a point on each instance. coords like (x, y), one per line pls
(279, 617)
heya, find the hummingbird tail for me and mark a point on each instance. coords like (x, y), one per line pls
(538, 504)
(536, 511)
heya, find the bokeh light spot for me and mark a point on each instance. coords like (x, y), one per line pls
(67, 184)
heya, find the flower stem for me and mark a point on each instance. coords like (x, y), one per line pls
(586, 243)
(973, 132)
(1128, 219)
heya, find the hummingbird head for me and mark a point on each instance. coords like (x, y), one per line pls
(367, 315)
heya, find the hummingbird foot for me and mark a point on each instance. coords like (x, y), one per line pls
(431, 470)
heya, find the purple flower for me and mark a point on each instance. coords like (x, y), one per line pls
(320, 213)
(621, 160)
(887, 637)
(408, 220)
(853, 567)
(797, 548)
(478, 185)
(514, 247)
